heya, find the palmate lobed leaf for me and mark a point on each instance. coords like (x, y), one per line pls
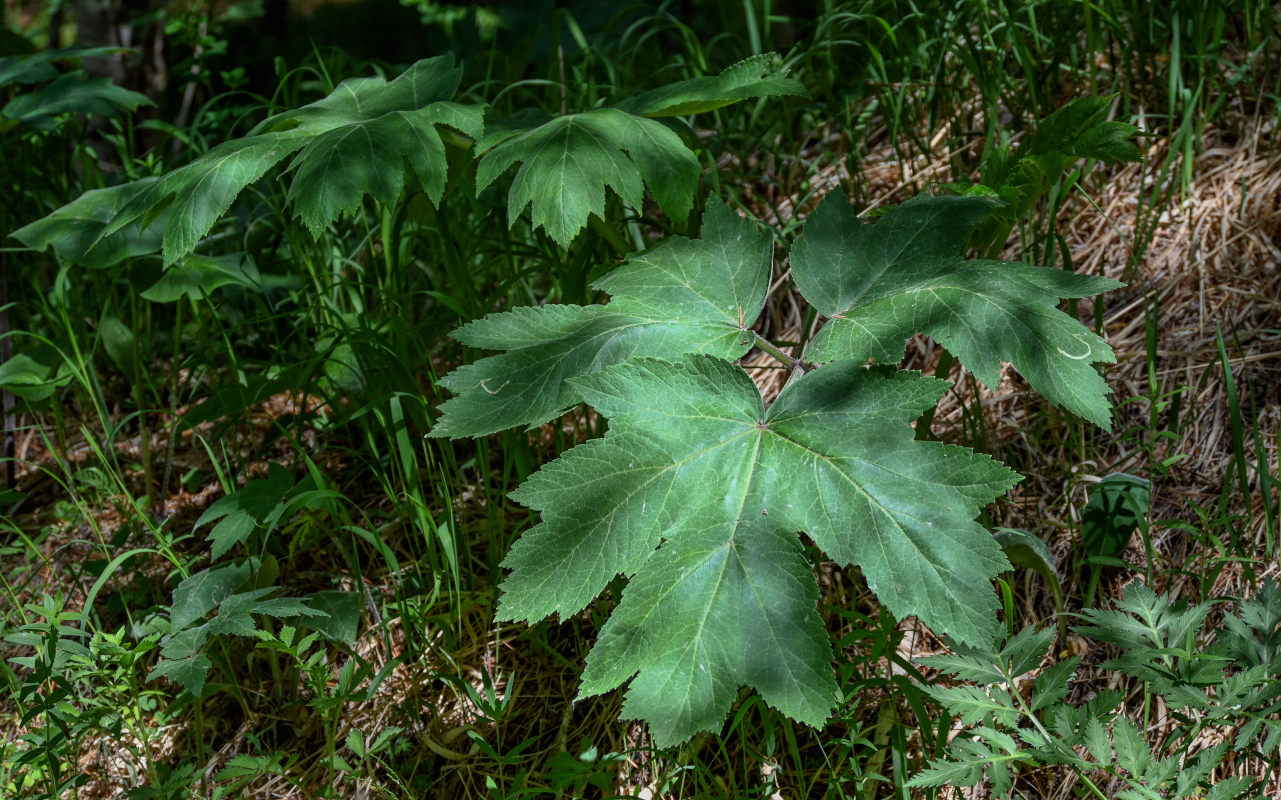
(687, 295)
(698, 490)
(1081, 129)
(351, 143)
(361, 157)
(880, 284)
(695, 466)
(1021, 176)
(182, 657)
(567, 162)
(238, 513)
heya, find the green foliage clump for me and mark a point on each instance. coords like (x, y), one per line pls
(1234, 682)
(694, 524)
(697, 490)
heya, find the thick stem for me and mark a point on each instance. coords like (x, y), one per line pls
(769, 347)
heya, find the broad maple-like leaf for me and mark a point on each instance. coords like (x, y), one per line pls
(687, 295)
(238, 513)
(181, 656)
(1022, 175)
(352, 143)
(880, 284)
(365, 131)
(1081, 129)
(567, 162)
(695, 466)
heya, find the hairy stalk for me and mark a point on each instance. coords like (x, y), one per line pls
(769, 347)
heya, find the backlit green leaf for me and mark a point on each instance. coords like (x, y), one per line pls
(75, 231)
(567, 162)
(352, 143)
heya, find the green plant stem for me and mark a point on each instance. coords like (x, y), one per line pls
(144, 434)
(769, 347)
(1027, 712)
(608, 235)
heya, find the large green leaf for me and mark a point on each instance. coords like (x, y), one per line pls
(688, 295)
(182, 659)
(349, 144)
(72, 93)
(197, 194)
(567, 162)
(880, 284)
(239, 512)
(27, 68)
(1022, 175)
(363, 134)
(1081, 129)
(695, 466)
(75, 230)
(34, 376)
(200, 593)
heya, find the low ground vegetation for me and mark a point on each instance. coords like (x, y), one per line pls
(308, 385)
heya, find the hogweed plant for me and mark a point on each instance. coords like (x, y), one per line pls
(700, 488)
